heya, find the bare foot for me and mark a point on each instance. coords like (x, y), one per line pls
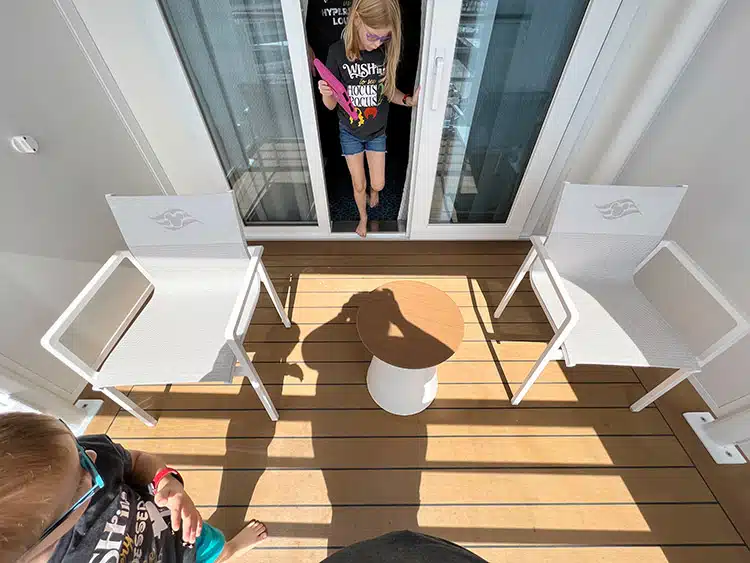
(361, 229)
(250, 536)
(374, 198)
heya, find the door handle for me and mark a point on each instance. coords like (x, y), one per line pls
(439, 63)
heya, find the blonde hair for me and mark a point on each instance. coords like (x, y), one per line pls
(377, 14)
(34, 454)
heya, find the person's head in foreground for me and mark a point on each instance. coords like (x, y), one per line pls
(407, 547)
(88, 499)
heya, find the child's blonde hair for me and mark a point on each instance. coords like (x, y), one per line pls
(377, 14)
(34, 452)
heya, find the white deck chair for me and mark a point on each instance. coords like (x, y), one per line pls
(200, 283)
(585, 274)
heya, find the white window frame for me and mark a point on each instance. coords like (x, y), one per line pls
(600, 17)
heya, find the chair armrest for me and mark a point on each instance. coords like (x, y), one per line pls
(236, 315)
(571, 312)
(51, 339)
(742, 325)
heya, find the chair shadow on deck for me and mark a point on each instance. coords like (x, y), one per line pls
(237, 487)
(495, 331)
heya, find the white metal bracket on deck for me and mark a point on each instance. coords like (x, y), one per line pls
(701, 423)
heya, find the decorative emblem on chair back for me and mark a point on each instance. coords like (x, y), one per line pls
(173, 219)
(617, 209)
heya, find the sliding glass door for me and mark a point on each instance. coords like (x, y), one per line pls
(242, 58)
(490, 99)
(500, 81)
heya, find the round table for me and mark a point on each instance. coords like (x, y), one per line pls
(410, 328)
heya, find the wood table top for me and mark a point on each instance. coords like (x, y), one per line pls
(410, 324)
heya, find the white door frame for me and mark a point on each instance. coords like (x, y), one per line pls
(297, 44)
(148, 85)
(600, 17)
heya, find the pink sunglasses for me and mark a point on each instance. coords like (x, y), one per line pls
(374, 37)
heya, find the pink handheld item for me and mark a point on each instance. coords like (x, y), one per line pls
(339, 90)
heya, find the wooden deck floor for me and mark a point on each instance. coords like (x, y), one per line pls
(569, 476)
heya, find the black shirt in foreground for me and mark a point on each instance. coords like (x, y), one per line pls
(122, 523)
(400, 547)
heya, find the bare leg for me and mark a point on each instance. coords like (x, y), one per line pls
(356, 164)
(250, 536)
(376, 164)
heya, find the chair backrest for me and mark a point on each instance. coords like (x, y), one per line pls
(167, 233)
(606, 231)
(616, 210)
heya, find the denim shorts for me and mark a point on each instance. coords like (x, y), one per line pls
(350, 144)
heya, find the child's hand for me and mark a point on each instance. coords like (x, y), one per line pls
(414, 98)
(172, 494)
(324, 88)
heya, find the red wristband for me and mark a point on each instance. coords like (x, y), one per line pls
(166, 470)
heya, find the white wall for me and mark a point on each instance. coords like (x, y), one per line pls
(701, 137)
(136, 47)
(55, 226)
(644, 28)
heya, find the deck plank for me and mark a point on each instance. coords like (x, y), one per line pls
(314, 351)
(449, 396)
(431, 423)
(485, 271)
(473, 332)
(679, 554)
(437, 452)
(491, 525)
(394, 248)
(348, 314)
(331, 372)
(480, 299)
(307, 283)
(398, 487)
(427, 259)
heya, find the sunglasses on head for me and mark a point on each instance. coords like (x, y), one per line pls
(376, 37)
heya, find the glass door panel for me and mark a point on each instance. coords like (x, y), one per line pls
(509, 56)
(237, 58)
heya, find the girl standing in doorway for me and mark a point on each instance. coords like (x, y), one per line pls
(365, 62)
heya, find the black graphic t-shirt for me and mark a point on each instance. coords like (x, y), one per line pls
(122, 523)
(363, 80)
(324, 23)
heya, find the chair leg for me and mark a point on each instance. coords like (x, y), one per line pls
(669, 383)
(548, 355)
(260, 389)
(265, 280)
(520, 274)
(127, 404)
